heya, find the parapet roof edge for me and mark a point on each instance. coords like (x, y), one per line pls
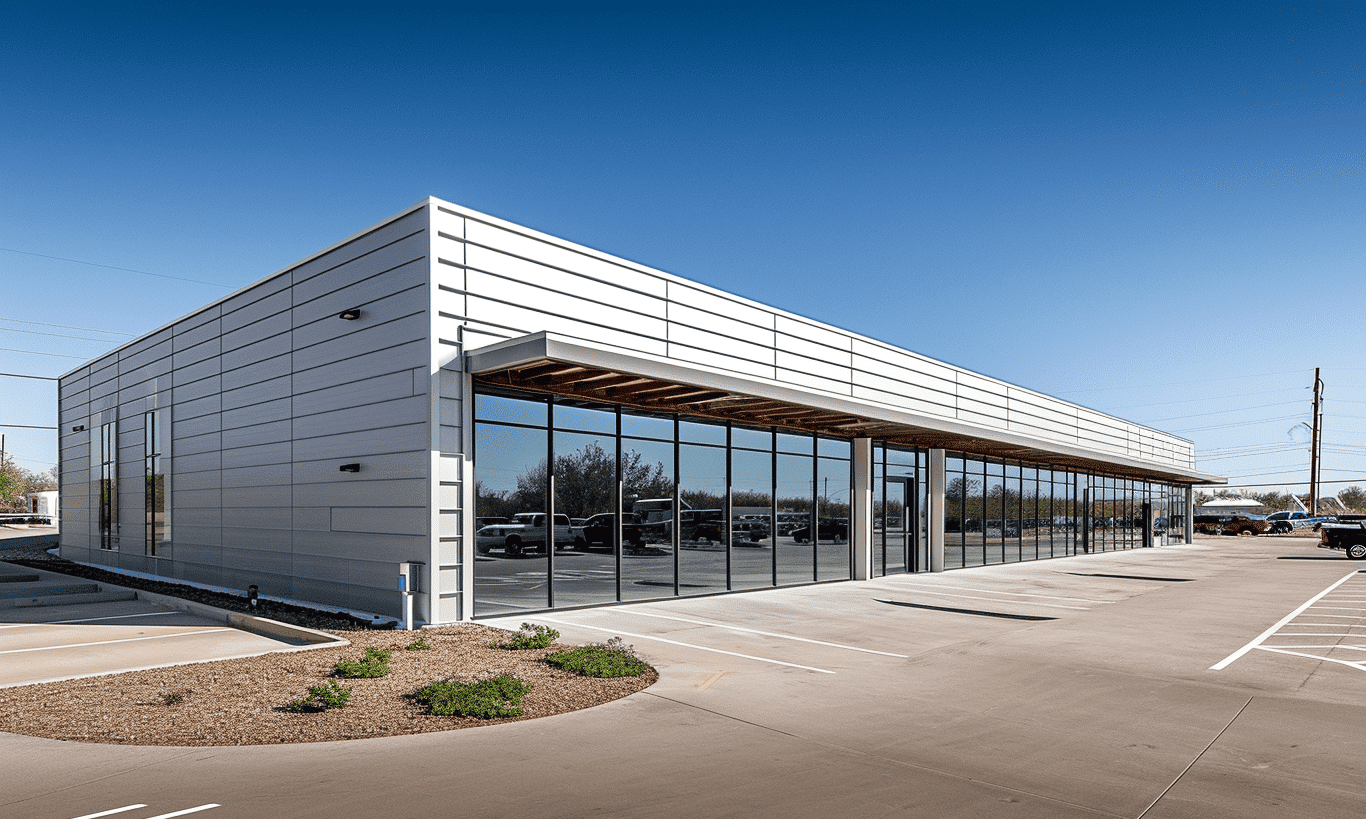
(715, 291)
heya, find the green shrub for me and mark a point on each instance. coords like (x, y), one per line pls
(331, 694)
(420, 644)
(529, 636)
(173, 697)
(610, 659)
(499, 696)
(375, 663)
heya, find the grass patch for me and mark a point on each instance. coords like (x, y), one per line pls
(530, 636)
(495, 697)
(375, 663)
(420, 644)
(610, 659)
(330, 694)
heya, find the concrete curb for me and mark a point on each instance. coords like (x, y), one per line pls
(246, 622)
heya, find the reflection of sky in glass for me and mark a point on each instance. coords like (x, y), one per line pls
(503, 453)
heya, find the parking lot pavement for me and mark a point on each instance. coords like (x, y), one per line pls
(47, 643)
(1074, 687)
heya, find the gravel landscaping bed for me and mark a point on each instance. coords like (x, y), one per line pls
(240, 702)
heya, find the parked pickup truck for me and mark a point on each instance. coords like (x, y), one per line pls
(525, 531)
(1347, 537)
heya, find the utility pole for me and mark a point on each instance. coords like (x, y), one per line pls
(1314, 442)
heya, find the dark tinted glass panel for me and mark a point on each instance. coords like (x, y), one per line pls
(568, 416)
(795, 444)
(994, 526)
(833, 519)
(510, 410)
(752, 519)
(796, 552)
(647, 567)
(830, 448)
(510, 568)
(703, 523)
(647, 426)
(974, 515)
(585, 489)
(751, 438)
(697, 433)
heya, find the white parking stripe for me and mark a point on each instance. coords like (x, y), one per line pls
(685, 645)
(998, 600)
(1224, 663)
(107, 642)
(115, 617)
(756, 631)
(1348, 663)
(183, 812)
(110, 812)
(1022, 594)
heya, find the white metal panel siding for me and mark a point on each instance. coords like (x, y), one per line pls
(500, 281)
(269, 393)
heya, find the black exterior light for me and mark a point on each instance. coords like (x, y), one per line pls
(251, 597)
(349, 315)
(78, 428)
(350, 467)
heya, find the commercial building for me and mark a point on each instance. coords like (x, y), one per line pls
(452, 390)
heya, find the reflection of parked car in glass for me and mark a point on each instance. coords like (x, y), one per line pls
(601, 530)
(480, 523)
(748, 531)
(525, 531)
(1241, 525)
(827, 529)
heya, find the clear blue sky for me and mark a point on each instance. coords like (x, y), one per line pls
(1153, 209)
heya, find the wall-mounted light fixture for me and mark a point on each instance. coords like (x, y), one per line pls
(349, 315)
(78, 428)
(350, 467)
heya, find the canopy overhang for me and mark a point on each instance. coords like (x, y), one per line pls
(546, 363)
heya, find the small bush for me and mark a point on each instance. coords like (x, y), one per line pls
(375, 663)
(420, 644)
(530, 636)
(331, 694)
(499, 696)
(173, 697)
(610, 659)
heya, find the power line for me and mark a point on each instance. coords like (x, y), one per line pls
(1238, 424)
(67, 327)
(25, 375)
(112, 267)
(23, 426)
(1284, 483)
(35, 352)
(1215, 398)
(56, 335)
(1171, 383)
(1224, 412)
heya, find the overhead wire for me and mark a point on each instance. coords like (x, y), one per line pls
(35, 352)
(67, 327)
(113, 267)
(57, 335)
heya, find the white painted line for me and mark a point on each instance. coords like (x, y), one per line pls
(1339, 645)
(115, 617)
(183, 812)
(999, 600)
(1348, 663)
(107, 642)
(1224, 663)
(110, 812)
(1022, 594)
(756, 631)
(676, 643)
(1341, 608)
(1314, 634)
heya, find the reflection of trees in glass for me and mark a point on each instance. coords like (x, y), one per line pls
(585, 484)
(702, 499)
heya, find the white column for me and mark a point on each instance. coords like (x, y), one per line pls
(1190, 513)
(862, 502)
(935, 509)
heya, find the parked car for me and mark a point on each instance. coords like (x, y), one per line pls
(525, 531)
(1347, 537)
(827, 529)
(601, 530)
(749, 532)
(1241, 525)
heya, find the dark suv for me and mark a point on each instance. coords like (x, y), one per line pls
(1240, 525)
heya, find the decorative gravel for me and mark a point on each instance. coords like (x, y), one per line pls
(238, 702)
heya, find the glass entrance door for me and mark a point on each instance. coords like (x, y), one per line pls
(900, 543)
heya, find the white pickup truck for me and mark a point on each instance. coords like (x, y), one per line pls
(526, 531)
